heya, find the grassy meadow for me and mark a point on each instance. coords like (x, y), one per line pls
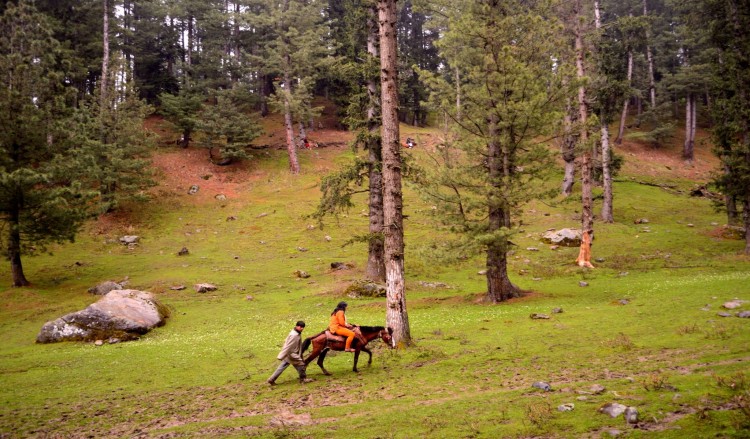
(646, 327)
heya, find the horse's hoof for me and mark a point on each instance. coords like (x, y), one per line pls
(327, 373)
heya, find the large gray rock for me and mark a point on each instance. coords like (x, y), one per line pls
(565, 237)
(105, 287)
(120, 314)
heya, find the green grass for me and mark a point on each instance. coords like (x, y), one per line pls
(472, 366)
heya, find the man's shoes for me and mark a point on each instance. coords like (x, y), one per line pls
(271, 382)
(305, 380)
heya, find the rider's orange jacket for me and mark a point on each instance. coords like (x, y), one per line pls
(337, 320)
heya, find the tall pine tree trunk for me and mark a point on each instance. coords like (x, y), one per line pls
(499, 286)
(396, 315)
(105, 57)
(14, 244)
(458, 95)
(607, 215)
(650, 61)
(689, 145)
(290, 145)
(287, 92)
(375, 269)
(624, 115)
(587, 216)
(568, 150)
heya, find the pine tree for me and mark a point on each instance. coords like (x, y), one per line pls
(728, 26)
(226, 126)
(297, 51)
(511, 93)
(109, 132)
(182, 110)
(41, 200)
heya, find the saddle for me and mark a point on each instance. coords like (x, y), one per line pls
(333, 338)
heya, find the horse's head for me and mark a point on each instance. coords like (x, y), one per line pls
(387, 335)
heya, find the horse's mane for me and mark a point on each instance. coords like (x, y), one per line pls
(369, 329)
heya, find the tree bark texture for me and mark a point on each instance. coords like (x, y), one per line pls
(14, 245)
(290, 144)
(568, 150)
(396, 314)
(587, 216)
(650, 61)
(375, 269)
(624, 115)
(105, 57)
(690, 113)
(499, 286)
(291, 147)
(607, 215)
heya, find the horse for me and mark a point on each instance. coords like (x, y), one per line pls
(321, 344)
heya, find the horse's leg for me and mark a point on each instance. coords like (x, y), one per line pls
(369, 352)
(315, 352)
(356, 357)
(322, 358)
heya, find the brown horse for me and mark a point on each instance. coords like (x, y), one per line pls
(322, 344)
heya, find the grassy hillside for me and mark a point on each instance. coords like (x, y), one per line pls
(645, 328)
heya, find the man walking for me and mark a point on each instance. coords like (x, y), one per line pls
(290, 354)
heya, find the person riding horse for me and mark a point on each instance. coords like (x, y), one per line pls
(339, 326)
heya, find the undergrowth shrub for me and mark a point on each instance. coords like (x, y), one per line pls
(717, 332)
(620, 341)
(688, 329)
(656, 381)
(737, 386)
(539, 414)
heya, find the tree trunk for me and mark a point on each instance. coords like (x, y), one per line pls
(587, 217)
(623, 117)
(499, 286)
(746, 216)
(14, 245)
(266, 87)
(290, 144)
(607, 215)
(689, 145)
(375, 269)
(105, 58)
(458, 95)
(291, 147)
(396, 315)
(568, 151)
(650, 61)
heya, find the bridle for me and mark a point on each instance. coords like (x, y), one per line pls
(387, 337)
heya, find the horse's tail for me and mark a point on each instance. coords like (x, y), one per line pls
(306, 342)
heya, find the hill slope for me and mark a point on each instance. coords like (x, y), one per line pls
(645, 327)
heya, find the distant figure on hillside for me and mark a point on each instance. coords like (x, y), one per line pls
(410, 143)
(290, 354)
(339, 326)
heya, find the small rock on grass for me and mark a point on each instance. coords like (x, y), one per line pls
(539, 316)
(732, 304)
(203, 288)
(613, 409)
(542, 385)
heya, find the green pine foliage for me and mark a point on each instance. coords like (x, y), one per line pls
(504, 53)
(182, 111)
(226, 126)
(41, 201)
(116, 146)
